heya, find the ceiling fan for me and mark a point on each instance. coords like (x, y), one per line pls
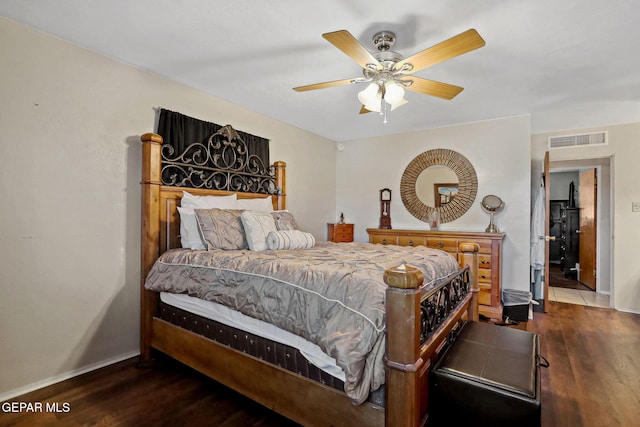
(388, 73)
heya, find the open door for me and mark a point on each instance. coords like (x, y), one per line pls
(546, 231)
(588, 204)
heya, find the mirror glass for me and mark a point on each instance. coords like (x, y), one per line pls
(441, 180)
(492, 203)
(436, 185)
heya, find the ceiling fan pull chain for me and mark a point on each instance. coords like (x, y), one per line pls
(384, 105)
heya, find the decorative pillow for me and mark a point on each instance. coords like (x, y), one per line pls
(263, 204)
(290, 239)
(257, 226)
(189, 234)
(221, 229)
(284, 220)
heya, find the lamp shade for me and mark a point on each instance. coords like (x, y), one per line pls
(370, 97)
(393, 92)
(399, 103)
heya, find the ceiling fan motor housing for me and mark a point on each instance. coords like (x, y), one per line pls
(384, 40)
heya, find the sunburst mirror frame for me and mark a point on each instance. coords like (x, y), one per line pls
(467, 184)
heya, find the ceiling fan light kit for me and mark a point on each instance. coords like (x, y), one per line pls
(389, 73)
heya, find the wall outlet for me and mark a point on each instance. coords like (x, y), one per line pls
(635, 206)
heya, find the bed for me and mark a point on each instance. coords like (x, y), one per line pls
(363, 323)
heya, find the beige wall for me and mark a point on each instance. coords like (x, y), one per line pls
(623, 150)
(497, 149)
(70, 122)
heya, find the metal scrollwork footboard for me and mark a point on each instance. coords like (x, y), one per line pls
(440, 301)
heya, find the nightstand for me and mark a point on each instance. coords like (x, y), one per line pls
(340, 232)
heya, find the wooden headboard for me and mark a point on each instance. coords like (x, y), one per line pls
(160, 218)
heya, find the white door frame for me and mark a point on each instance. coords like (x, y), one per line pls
(601, 249)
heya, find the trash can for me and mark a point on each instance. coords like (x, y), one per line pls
(516, 304)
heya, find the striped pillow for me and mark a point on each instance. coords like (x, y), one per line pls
(290, 239)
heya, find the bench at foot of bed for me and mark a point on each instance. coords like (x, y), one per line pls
(489, 376)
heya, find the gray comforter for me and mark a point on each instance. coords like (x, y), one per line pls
(332, 295)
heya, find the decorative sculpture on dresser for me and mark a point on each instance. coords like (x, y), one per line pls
(385, 209)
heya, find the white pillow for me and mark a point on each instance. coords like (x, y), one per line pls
(209, 202)
(189, 234)
(257, 226)
(263, 204)
(290, 239)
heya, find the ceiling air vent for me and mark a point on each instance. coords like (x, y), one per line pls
(595, 138)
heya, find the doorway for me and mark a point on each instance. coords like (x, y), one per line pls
(580, 258)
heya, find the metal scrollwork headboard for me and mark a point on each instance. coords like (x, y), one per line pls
(222, 163)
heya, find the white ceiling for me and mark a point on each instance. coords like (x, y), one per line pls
(540, 55)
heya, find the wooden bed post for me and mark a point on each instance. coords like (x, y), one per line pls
(151, 182)
(281, 182)
(469, 253)
(402, 405)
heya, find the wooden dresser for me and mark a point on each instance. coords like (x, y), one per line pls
(489, 257)
(340, 232)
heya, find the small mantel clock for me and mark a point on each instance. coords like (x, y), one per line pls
(385, 209)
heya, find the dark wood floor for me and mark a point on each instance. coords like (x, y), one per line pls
(558, 280)
(593, 380)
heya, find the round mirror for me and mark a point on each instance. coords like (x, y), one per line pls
(492, 203)
(441, 180)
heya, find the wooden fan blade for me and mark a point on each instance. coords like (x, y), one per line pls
(363, 110)
(455, 46)
(344, 41)
(433, 88)
(323, 85)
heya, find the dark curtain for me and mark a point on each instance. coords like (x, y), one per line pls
(180, 131)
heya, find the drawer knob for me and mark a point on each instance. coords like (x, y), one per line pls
(384, 241)
(410, 242)
(440, 244)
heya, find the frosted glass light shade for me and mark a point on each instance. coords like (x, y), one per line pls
(400, 103)
(370, 97)
(393, 92)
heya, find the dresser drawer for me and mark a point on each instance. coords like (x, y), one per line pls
(342, 237)
(484, 261)
(448, 245)
(343, 228)
(484, 275)
(411, 241)
(484, 296)
(383, 240)
(485, 246)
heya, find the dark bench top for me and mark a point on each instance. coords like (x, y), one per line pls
(494, 356)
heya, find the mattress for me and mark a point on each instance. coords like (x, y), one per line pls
(225, 315)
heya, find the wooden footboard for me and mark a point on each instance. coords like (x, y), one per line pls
(420, 320)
